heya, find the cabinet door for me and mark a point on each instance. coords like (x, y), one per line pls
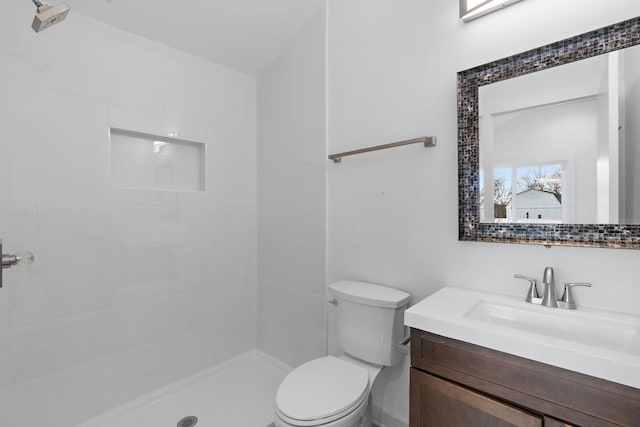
(439, 403)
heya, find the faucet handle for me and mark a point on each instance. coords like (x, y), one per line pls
(567, 296)
(533, 289)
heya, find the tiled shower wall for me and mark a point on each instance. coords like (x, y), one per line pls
(292, 198)
(131, 289)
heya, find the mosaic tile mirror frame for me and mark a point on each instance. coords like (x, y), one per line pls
(608, 39)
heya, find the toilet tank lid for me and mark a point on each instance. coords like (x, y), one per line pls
(369, 294)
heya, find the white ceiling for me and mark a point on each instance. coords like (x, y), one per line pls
(244, 35)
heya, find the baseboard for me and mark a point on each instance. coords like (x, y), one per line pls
(383, 419)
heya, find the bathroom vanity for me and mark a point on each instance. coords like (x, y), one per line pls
(481, 359)
(453, 382)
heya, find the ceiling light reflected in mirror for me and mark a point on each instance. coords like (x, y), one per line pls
(472, 9)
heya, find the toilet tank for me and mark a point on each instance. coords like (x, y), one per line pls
(370, 320)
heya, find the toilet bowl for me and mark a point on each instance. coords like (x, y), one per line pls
(336, 391)
(328, 391)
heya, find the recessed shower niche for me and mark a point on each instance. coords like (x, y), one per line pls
(153, 162)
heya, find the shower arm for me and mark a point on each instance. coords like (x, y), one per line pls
(37, 3)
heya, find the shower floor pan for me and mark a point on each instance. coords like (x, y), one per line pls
(238, 393)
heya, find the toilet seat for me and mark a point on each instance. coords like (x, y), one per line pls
(321, 391)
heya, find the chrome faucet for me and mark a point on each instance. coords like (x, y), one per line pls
(549, 296)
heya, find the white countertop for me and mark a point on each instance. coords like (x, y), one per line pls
(593, 342)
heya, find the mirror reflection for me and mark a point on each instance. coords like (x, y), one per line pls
(563, 145)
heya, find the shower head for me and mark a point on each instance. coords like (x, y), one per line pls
(48, 15)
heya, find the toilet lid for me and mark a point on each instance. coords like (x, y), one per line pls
(322, 388)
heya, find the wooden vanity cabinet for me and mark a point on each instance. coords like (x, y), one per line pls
(457, 384)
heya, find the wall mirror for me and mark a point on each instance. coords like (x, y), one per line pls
(549, 143)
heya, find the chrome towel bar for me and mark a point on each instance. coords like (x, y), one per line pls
(428, 141)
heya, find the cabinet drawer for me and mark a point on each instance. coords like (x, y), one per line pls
(545, 389)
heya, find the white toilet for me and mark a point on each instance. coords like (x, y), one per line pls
(336, 391)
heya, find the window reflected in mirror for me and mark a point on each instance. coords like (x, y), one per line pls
(525, 194)
(561, 146)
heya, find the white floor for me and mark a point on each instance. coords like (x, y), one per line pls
(238, 393)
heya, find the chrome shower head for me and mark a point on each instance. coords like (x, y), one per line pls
(48, 15)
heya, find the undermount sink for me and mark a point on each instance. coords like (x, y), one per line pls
(584, 326)
(594, 342)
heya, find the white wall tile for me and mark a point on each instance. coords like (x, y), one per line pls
(292, 196)
(231, 337)
(44, 156)
(4, 403)
(30, 353)
(26, 296)
(62, 399)
(292, 326)
(4, 361)
(291, 246)
(84, 339)
(124, 280)
(4, 315)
